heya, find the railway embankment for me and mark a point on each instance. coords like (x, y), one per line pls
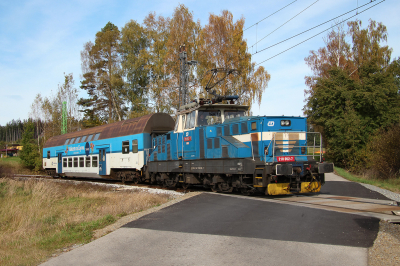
(41, 217)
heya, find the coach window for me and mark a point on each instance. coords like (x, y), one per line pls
(69, 162)
(65, 162)
(135, 146)
(125, 147)
(77, 140)
(89, 138)
(83, 139)
(75, 161)
(72, 141)
(48, 154)
(87, 161)
(94, 161)
(66, 142)
(96, 137)
(81, 162)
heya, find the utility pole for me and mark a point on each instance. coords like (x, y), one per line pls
(184, 76)
(64, 118)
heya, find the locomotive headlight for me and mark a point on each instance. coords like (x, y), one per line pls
(285, 123)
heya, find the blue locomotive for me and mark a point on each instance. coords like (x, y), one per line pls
(212, 144)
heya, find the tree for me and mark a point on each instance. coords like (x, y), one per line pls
(107, 78)
(221, 45)
(135, 57)
(351, 98)
(29, 154)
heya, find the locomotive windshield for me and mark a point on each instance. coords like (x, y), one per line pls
(205, 118)
(233, 114)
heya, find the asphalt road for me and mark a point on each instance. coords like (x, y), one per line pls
(213, 229)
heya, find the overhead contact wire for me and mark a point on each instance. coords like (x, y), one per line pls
(319, 26)
(316, 34)
(284, 23)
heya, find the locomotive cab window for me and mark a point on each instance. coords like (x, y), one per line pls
(205, 118)
(253, 125)
(135, 146)
(233, 114)
(125, 147)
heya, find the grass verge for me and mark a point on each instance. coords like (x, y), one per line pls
(13, 165)
(392, 184)
(38, 217)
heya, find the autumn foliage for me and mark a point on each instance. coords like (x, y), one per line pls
(136, 70)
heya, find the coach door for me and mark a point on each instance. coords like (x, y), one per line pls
(102, 162)
(59, 162)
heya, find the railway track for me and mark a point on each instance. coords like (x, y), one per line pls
(111, 181)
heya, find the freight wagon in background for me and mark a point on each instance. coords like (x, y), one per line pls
(212, 144)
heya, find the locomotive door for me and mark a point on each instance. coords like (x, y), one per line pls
(102, 162)
(59, 162)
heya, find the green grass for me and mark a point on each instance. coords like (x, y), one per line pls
(392, 184)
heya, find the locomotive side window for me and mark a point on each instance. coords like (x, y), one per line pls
(219, 131)
(135, 146)
(216, 143)
(125, 147)
(253, 125)
(227, 130)
(69, 162)
(94, 161)
(245, 130)
(75, 161)
(96, 137)
(87, 161)
(48, 154)
(81, 162)
(235, 129)
(209, 143)
(89, 137)
(65, 162)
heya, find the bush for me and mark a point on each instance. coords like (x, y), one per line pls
(384, 154)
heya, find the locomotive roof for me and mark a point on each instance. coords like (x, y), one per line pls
(194, 106)
(158, 122)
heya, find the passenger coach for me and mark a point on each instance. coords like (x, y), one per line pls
(116, 150)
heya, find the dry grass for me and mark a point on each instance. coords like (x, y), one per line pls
(39, 217)
(13, 165)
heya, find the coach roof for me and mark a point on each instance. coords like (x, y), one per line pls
(158, 122)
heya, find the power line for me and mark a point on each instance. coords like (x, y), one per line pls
(318, 26)
(269, 16)
(316, 34)
(284, 23)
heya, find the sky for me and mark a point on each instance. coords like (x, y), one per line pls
(41, 40)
